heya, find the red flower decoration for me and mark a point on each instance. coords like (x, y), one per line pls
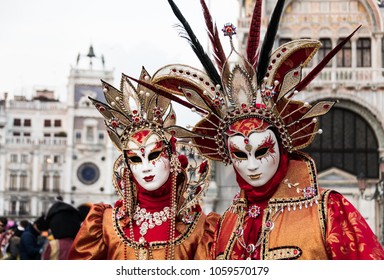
(203, 167)
(183, 161)
(254, 211)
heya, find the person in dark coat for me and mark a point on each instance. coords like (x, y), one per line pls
(31, 245)
(64, 222)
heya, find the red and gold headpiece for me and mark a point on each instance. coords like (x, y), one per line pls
(131, 110)
(262, 85)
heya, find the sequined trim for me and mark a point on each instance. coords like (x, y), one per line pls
(284, 253)
(158, 244)
(323, 212)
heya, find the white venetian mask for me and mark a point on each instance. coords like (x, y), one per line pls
(149, 161)
(256, 158)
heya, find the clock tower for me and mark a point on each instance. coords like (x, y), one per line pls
(90, 153)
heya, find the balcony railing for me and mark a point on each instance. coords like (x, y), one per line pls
(52, 141)
(37, 105)
(348, 77)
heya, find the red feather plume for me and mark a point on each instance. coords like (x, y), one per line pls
(213, 35)
(254, 34)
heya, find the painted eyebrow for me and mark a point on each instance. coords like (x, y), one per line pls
(267, 142)
(234, 148)
(131, 153)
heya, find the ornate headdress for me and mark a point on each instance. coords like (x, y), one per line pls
(262, 85)
(132, 109)
(129, 111)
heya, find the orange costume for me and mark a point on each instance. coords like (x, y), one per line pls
(309, 223)
(102, 237)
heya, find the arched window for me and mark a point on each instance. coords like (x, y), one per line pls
(13, 182)
(344, 56)
(23, 182)
(363, 46)
(348, 142)
(326, 47)
(45, 183)
(56, 183)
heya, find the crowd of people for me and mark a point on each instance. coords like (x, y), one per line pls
(49, 237)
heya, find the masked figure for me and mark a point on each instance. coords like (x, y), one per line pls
(251, 119)
(158, 215)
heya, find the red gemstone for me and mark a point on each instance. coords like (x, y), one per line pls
(246, 141)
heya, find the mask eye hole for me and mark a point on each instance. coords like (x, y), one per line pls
(261, 152)
(154, 155)
(240, 155)
(134, 159)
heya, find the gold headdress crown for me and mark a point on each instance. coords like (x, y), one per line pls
(262, 86)
(131, 109)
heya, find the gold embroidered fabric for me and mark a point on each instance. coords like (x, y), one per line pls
(97, 239)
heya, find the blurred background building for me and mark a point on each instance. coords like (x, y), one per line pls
(52, 149)
(49, 148)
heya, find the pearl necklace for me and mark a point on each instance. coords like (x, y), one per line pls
(146, 220)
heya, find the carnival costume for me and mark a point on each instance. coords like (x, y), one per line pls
(289, 216)
(165, 222)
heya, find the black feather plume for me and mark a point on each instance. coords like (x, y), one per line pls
(269, 40)
(196, 46)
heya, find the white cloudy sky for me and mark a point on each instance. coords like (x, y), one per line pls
(40, 39)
